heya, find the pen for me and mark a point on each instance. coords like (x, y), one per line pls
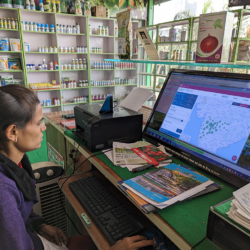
(142, 168)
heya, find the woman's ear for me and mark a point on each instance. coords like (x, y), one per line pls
(11, 133)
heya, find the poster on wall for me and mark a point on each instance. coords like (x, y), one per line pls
(138, 7)
(233, 3)
(54, 156)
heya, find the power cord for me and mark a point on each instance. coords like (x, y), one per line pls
(74, 162)
(198, 243)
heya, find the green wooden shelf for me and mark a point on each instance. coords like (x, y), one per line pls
(96, 35)
(15, 52)
(102, 86)
(68, 70)
(101, 69)
(71, 15)
(75, 88)
(71, 34)
(94, 17)
(99, 101)
(73, 103)
(39, 71)
(39, 32)
(10, 71)
(101, 53)
(52, 106)
(162, 43)
(127, 69)
(73, 53)
(6, 8)
(117, 85)
(9, 29)
(32, 52)
(43, 90)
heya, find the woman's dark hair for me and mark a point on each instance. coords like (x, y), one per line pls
(17, 106)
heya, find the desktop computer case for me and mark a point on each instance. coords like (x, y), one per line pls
(49, 205)
(224, 234)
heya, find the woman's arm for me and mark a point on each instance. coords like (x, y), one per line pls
(13, 231)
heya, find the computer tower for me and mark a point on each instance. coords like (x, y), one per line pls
(50, 205)
(225, 234)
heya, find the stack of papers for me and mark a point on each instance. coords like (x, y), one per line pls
(123, 156)
(167, 185)
(240, 207)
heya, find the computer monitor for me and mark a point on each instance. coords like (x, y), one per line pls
(204, 117)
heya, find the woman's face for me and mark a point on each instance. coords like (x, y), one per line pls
(30, 137)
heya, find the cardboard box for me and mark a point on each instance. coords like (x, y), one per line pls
(214, 37)
(98, 11)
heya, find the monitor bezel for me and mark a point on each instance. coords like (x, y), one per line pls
(186, 156)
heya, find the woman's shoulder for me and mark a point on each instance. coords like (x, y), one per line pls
(5, 178)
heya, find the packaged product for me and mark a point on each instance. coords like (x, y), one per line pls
(26, 47)
(124, 34)
(4, 78)
(8, 82)
(18, 81)
(4, 63)
(14, 63)
(243, 51)
(18, 4)
(14, 44)
(4, 44)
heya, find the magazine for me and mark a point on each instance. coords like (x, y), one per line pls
(152, 154)
(167, 185)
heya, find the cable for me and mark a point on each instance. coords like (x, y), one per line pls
(198, 243)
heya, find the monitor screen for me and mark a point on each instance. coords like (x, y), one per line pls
(205, 118)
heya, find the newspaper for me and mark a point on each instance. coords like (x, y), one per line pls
(125, 156)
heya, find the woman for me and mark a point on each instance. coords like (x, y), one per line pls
(21, 131)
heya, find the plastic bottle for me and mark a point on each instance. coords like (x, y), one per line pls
(68, 30)
(87, 8)
(77, 28)
(8, 24)
(77, 64)
(32, 5)
(107, 12)
(47, 6)
(41, 8)
(46, 28)
(58, 8)
(52, 28)
(90, 29)
(78, 7)
(74, 29)
(27, 27)
(12, 23)
(34, 26)
(107, 31)
(31, 26)
(16, 24)
(51, 67)
(38, 27)
(1, 23)
(53, 6)
(27, 5)
(99, 30)
(42, 27)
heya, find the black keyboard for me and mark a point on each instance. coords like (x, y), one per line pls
(113, 218)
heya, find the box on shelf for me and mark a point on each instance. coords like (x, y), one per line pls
(214, 37)
(98, 11)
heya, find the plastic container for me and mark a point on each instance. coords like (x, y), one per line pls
(42, 27)
(51, 67)
(78, 7)
(41, 8)
(52, 28)
(53, 6)
(87, 8)
(58, 8)
(47, 6)
(77, 28)
(46, 28)
(27, 5)
(38, 27)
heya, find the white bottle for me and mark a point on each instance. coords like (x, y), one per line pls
(77, 28)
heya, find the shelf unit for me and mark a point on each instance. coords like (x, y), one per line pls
(152, 75)
(12, 33)
(56, 39)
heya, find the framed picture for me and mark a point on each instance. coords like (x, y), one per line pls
(233, 3)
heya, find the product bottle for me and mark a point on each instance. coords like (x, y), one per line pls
(27, 5)
(87, 8)
(47, 6)
(74, 29)
(8, 24)
(38, 27)
(99, 30)
(4, 23)
(12, 23)
(78, 7)
(16, 24)
(90, 29)
(107, 31)
(31, 26)
(107, 12)
(53, 6)
(32, 5)
(42, 27)
(1, 23)
(51, 65)
(77, 28)
(58, 8)
(46, 28)
(27, 27)
(52, 29)
(41, 8)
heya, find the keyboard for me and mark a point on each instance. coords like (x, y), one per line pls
(113, 218)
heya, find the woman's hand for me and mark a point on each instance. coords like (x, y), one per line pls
(133, 243)
(53, 234)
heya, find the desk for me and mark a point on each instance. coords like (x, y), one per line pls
(185, 223)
